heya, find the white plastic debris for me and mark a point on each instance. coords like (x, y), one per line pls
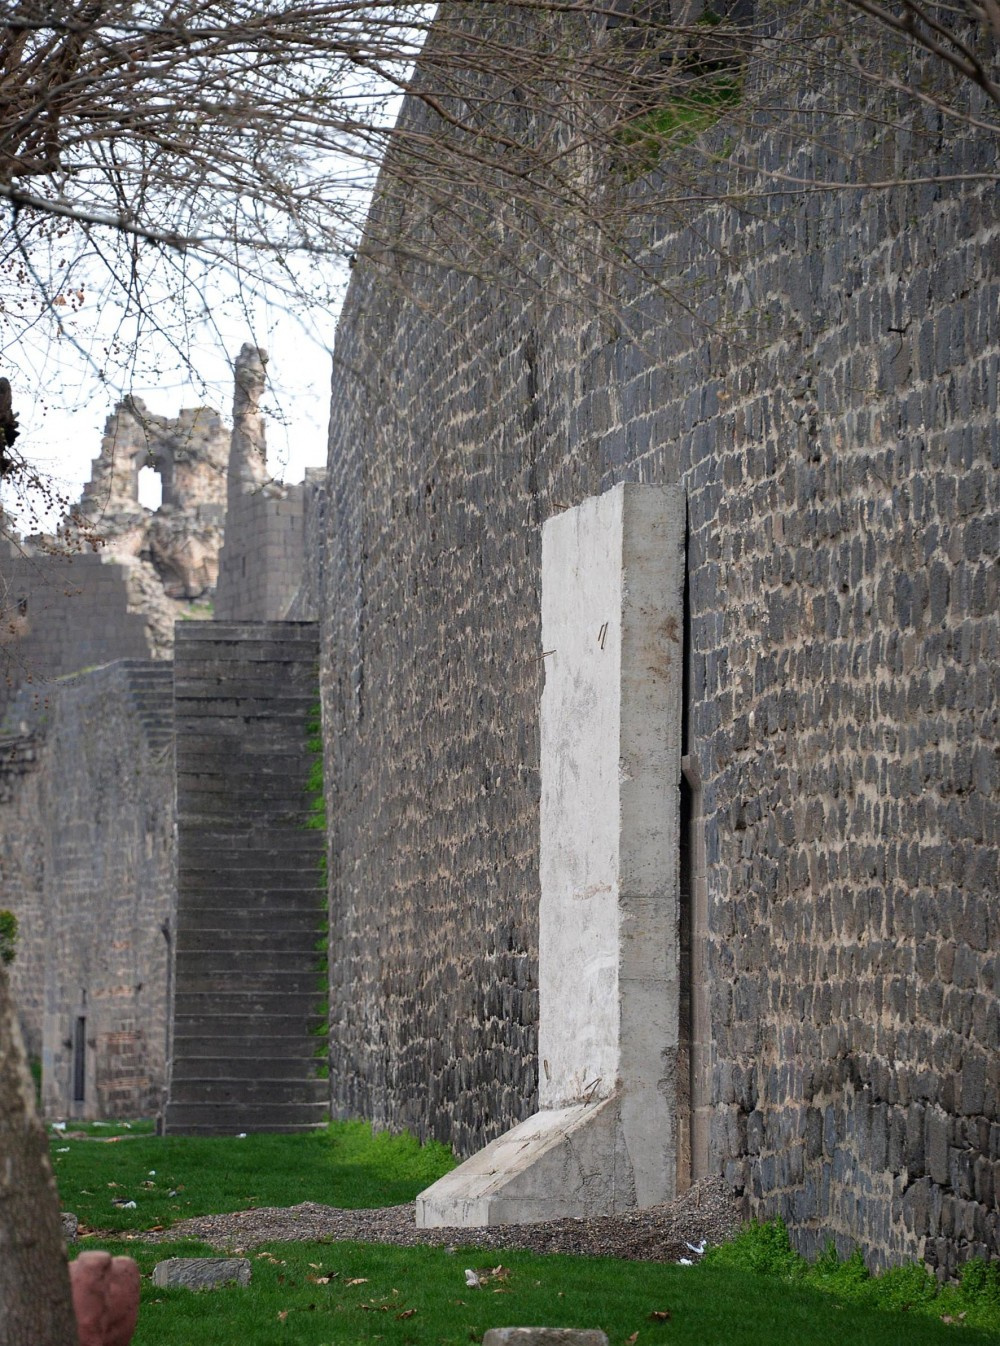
(684, 1262)
(58, 1126)
(241, 1135)
(152, 1174)
(471, 1279)
(63, 1149)
(696, 1248)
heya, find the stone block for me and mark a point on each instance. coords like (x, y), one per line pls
(202, 1273)
(544, 1336)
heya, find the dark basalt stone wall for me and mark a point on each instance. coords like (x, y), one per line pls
(86, 864)
(827, 396)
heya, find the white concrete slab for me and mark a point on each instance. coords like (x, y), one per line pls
(612, 620)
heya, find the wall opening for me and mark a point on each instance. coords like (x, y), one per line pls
(79, 1059)
(695, 1055)
(150, 488)
(684, 1028)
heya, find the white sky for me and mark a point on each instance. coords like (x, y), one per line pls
(197, 316)
(62, 418)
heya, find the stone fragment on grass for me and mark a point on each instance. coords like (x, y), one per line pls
(202, 1273)
(544, 1336)
(70, 1226)
(105, 1298)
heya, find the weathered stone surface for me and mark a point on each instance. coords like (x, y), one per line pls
(544, 1336)
(202, 1273)
(70, 1225)
(86, 841)
(117, 576)
(105, 1298)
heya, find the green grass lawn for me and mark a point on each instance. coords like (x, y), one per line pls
(753, 1291)
(323, 1293)
(173, 1177)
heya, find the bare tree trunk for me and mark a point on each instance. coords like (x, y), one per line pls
(35, 1304)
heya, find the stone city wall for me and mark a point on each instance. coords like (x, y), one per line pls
(86, 864)
(22, 850)
(63, 613)
(262, 558)
(826, 395)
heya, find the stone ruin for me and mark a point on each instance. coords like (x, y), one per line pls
(190, 453)
(116, 576)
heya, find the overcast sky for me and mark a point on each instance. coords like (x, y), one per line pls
(61, 428)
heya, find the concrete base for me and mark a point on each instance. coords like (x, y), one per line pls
(562, 1162)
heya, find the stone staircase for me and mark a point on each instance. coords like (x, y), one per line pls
(250, 981)
(151, 686)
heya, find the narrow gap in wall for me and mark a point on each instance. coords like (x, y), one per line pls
(684, 1066)
(79, 1059)
(684, 895)
(694, 883)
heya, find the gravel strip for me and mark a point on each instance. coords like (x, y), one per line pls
(708, 1211)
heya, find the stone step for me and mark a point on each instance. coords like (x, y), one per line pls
(216, 1119)
(300, 903)
(248, 1092)
(181, 1128)
(263, 792)
(233, 873)
(256, 981)
(296, 906)
(257, 1116)
(194, 1044)
(256, 838)
(206, 855)
(289, 886)
(231, 961)
(251, 1090)
(205, 805)
(236, 1068)
(303, 923)
(228, 1026)
(150, 688)
(249, 1001)
(228, 950)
